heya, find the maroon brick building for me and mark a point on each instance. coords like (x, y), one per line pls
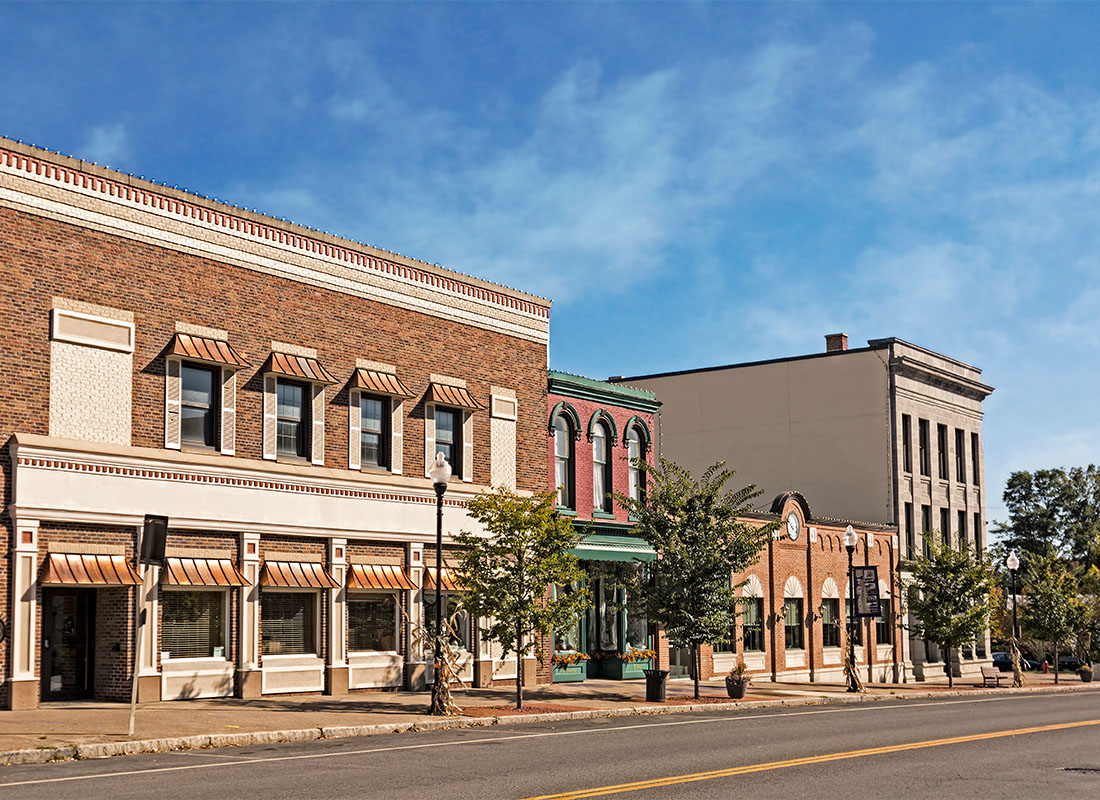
(277, 393)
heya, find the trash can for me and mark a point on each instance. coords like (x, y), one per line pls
(655, 682)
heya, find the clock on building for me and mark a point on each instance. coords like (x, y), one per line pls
(792, 525)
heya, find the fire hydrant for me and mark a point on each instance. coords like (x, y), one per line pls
(1046, 666)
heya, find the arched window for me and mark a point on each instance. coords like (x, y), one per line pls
(601, 469)
(563, 461)
(635, 452)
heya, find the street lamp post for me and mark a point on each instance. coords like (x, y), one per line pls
(440, 474)
(1013, 564)
(850, 539)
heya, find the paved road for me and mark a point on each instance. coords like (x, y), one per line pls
(995, 747)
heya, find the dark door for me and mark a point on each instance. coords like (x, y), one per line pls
(68, 619)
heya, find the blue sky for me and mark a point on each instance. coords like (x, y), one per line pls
(692, 184)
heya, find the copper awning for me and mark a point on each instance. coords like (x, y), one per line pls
(296, 574)
(90, 570)
(378, 576)
(451, 582)
(212, 351)
(386, 383)
(308, 369)
(455, 396)
(202, 572)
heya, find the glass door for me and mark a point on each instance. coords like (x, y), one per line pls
(679, 662)
(68, 619)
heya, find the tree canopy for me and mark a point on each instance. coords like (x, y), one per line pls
(1054, 512)
(697, 530)
(506, 575)
(951, 596)
(1050, 613)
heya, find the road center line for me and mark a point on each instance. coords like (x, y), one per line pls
(797, 762)
(544, 734)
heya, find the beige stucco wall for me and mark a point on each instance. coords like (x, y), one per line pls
(817, 425)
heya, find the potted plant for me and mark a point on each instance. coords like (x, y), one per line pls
(1085, 671)
(738, 680)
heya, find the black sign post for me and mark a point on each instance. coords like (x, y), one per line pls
(868, 603)
(154, 534)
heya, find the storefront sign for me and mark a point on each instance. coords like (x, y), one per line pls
(867, 599)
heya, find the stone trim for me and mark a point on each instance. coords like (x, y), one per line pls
(285, 555)
(203, 331)
(86, 548)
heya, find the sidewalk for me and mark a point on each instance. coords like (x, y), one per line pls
(55, 729)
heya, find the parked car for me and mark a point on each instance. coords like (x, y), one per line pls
(1003, 662)
(1070, 663)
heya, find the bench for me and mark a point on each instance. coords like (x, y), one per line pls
(991, 674)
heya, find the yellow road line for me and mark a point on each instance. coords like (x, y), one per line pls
(797, 762)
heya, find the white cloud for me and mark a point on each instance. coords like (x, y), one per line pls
(107, 145)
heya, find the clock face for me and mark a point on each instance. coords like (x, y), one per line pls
(792, 525)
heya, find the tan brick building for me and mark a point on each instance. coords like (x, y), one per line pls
(277, 393)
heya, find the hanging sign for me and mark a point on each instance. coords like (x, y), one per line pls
(867, 599)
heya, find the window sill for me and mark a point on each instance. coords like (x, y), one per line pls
(295, 460)
(602, 515)
(566, 512)
(200, 449)
(375, 470)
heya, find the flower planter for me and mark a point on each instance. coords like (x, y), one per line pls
(736, 689)
(570, 673)
(1086, 675)
(617, 669)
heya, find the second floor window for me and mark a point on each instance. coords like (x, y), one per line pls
(963, 543)
(372, 431)
(563, 461)
(635, 451)
(974, 458)
(926, 528)
(941, 442)
(601, 469)
(447, 437)
(199, 405)
(945, 526)
(906, 443)
(922, 448)
(293, 419)
(960, 455)
(910, 534)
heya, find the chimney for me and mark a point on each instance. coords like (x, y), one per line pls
(836, 342)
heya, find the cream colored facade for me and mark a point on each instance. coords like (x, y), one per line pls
(830, 426)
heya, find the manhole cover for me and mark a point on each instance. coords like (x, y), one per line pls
(1084, 770)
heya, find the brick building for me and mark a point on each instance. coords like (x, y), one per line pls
(277, 393)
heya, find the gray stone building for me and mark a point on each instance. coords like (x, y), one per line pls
(890, 433)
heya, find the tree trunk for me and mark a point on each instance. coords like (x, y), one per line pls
(1056, 663)
(697, 666)
(950, 671)
(519, 668)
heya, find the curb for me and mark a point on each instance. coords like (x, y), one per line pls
(109, 749)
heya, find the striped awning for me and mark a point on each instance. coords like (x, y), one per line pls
(308, 369)
(90, 570)
(212, 351)
(202, 572)
(455, 396)
(378, 576)
(297, 574)
(450, 580)
(386, 383)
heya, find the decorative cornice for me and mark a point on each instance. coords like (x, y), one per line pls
(43, 167)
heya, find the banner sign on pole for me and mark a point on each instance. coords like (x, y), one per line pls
(867, 599)
(153, 539)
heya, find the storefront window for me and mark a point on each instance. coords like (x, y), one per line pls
(830, 622)
(453, 615)
(567, 640)
(793, 629)
(193, 624)
(752, 627)
(287, 623)
(372, 622)
(637, 632)
(608, 617)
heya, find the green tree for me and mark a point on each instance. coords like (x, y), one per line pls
(1054, 511)
(951, 597)
(697, 530)
(1049, 612)
(508, 573)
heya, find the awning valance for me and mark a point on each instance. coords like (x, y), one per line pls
(385, 383)
(202, 572)
(455, 396)
(613, 548)
(296, 574)
(212, 351)
(451, 582)
(90, 570)
(378, 576)
(307, 369)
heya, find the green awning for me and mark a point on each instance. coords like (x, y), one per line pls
(613, 548)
